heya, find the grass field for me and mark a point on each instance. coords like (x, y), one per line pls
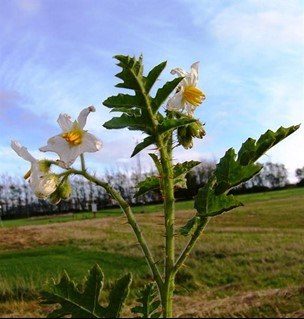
(249, 263)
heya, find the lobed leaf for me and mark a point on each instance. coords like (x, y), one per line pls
(131, 73)
(181, 169)
(149, 184)
(229, 172)
(251, 150)
(148, 302)
(208, 203)
(82, 301)
(118, 295)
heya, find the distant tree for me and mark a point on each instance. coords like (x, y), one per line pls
(273, 175)
(300, 176)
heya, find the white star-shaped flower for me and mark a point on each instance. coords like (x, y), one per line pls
(187, 97)
(74, 140)
(42, 184)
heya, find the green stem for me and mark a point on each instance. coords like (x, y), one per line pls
(185, 253)
(167, 183)
(131, 220)
(83, 167)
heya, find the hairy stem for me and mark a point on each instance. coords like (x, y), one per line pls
(167, 183)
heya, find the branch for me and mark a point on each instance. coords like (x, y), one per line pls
(185, 253)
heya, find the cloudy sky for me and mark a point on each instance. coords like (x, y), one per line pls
(56, 56)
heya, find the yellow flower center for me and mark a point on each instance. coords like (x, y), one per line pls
(193, 95)
(74, 137)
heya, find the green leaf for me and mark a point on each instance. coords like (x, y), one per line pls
(135, 107)
(118, 295)
(142, 145)
(191, 223)
(251, 150)
(207, 203)
(153, 75)
(131, 73)
(149, 184)
(163, 93)
(171, 123)
(181, 169)
(129, 121)
(82, 301)
(124, 100)
(148, 302)
(230, 172)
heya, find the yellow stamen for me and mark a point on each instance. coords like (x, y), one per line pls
(27, 174)
(193, 95)
(74, 137)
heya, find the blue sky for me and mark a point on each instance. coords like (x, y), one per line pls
(56, 56)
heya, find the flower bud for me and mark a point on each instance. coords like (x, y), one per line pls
(44, 166)
(63, 191)
(196, 129)
(45, 185)
(184, 138)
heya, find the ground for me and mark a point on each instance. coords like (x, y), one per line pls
(249, 262)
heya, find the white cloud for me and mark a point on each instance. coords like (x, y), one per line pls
(259, 26)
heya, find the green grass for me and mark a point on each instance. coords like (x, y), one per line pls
(257, 250)
(37, 266)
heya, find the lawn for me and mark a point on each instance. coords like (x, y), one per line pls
(248, 263)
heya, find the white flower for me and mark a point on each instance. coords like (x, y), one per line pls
(187, 97)
(42, 184)
(74, 140)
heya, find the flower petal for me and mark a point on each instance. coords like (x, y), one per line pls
(90, 144)
(82, 118)
(179, 72)
(65, 122)
(194, 73)
(176, 102)
(190, 108)
(60, 146)
(43, 186)
(22, 152)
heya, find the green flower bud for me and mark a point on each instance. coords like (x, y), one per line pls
(184, 138)
(196, 129)
(44, 166)
(65, 190)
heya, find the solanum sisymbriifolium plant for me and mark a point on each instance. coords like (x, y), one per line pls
(167, 120)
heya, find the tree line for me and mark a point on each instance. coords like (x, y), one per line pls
(17, 199)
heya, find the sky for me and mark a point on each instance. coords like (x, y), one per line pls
(56, 57)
